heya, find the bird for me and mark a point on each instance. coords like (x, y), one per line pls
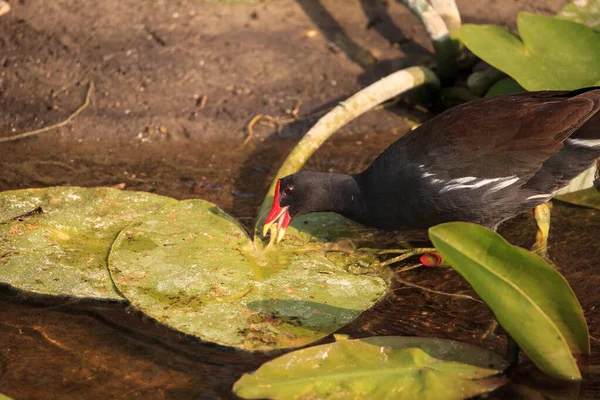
(483, 162)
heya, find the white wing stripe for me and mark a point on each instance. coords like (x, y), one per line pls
(539, 196)
(503, 185)
(503, 182)
(592, 143)
(463, 180)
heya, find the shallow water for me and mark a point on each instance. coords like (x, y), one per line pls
(65, 349)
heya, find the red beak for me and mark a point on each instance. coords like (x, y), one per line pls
(279, 214)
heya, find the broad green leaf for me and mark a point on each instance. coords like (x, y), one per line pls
(4, 397)
(389, 367)
(585, 12)
(582, 181)
(192, 267)
(504, 86)
(530, 299)
(56, 240)
(551, 54)
(589, 197)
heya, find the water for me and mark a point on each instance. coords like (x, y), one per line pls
(54, 348)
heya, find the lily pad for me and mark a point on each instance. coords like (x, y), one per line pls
(323, 226)
(192, 267)
(552, 53)
(56, 240)
(585, 12)
(534, 303)
(377, 368)
(589, 197)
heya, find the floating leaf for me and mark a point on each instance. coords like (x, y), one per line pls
(589, 197)
(324, 227)
(377, 368)
(56, 240)
(530, 299)
(553, 54)
(585, 12)
(192, 267)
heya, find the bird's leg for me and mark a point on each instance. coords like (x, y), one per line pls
(542, 219)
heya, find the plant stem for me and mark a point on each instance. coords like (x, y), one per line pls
(447, 49)
(512, 351)
(368, 98)
(431, 20)
(479, 82)
(448, 11)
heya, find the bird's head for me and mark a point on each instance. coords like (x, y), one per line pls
(303, 193)
(287, 202)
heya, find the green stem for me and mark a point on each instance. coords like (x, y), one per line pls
(447, 49)
(512, 351)
(363, 101)
(448, 11)
(479, 82)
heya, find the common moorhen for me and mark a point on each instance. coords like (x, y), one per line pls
(483, 162)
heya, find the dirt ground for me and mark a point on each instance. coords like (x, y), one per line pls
(175, 84)
(152, 64)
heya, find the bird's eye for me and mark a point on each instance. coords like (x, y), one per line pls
(288, 190)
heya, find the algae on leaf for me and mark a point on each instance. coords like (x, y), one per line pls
(56, 240)
(193, 268)
(377, 368)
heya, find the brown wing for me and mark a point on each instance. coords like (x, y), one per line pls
(501, 136)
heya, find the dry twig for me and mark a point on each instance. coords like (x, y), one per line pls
(250, 129)
(423, 288)
(202, 102)
(4, 7)
(58, 125)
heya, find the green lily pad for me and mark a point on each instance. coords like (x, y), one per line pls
(551, 54)
(589, 197)
(56, 240)
(323, 226)
(377, 368)
(192, 267)
(531, 300)
(585, 12)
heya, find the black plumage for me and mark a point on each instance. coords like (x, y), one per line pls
(482, 162)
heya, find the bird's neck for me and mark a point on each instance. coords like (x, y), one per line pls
(348, 199)
(337, 193)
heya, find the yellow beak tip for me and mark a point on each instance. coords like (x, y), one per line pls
(280, 235)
